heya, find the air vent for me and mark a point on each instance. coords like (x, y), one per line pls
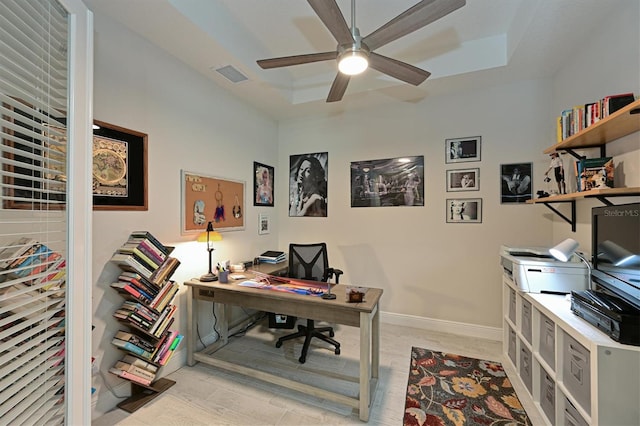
(231, 74)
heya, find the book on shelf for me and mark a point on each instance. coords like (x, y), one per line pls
(613, 103)
(129, 263)
(153, 240)
(135, 349)
(140, 284)
(166, 296)
(595, 173)
(134, 369)
(130, 376)
(165, 270)
(133, 360)
(174, 345)
(130, 290)
(39, 266)
(36, 254)
(15, 250)
(55, 278)
(164, 345)
(140, 309)
(163, 323)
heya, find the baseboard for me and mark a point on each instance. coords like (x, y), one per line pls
(459, 328)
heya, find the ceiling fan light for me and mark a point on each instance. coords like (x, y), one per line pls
(353, 63)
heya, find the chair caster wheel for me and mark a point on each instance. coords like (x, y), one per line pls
(337, 351)
(278, 344)
(302, 360)
(332, 334)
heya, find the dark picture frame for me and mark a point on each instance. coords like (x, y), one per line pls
(119, 168)
(464, 210)
(516, 183)
(463, 180)
(211, 199)
(263, 190)
(388, 182)
(463, 150)
(308, 183)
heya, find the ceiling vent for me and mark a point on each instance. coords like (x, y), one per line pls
(231, 74)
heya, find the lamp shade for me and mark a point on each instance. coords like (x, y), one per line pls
(564, 250)
(213, 236)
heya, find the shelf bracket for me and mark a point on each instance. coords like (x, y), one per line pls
(574, 154)
(571, 221)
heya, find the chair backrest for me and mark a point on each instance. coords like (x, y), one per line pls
(308, 261)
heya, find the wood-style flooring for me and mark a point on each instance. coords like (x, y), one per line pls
(204, 395)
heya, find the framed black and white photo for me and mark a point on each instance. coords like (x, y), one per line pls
(264, 224)
(308, 178)
(515, 182)
(464, 210)
(262, 184)
(462, 150)
(463, 180)
(388, 182)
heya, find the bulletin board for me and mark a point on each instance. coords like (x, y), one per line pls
(211, 199)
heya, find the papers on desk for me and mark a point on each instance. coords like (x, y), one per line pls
(289, 287)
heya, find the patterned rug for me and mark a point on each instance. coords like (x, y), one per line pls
(448, 389)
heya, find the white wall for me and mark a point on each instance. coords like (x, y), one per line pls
(191, 125)
(427, 268)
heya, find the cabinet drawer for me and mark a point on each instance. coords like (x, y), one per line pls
(548, 396)
(526, 367)
(512, 346)
(576, 373)
(571, 415)
(547, 341)
(526, 320)
(512, 305)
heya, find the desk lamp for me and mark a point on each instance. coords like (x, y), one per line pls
(565, 249)
(209, 236)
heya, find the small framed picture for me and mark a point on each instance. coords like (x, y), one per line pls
(463, 180)
(464, 210)
(262, 184)
(462, 150)
(515, 183)
(264, 224)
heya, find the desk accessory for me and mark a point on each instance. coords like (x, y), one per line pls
(209, 236)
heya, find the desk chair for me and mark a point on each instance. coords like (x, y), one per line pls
(309, 262)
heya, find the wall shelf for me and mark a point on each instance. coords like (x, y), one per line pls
(621, 123)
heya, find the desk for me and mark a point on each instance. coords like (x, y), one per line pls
(364, 315)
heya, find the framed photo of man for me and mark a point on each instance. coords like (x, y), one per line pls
(462, 150)
(308, 184)
(263, 178)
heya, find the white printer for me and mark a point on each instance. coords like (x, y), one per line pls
(534, 270)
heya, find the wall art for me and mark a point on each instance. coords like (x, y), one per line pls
(119, 168)
(464, 210)
(388, 182)
(308, 178)
(463, 180)
(211, 199)
(263, 178)
(515, 181)
(462, 150)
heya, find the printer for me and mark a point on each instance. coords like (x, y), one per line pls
(534, 270)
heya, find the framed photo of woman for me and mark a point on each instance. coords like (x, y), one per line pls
(308, 184)
(463, 180)
(262, 184)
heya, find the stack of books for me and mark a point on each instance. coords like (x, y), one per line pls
(135, 369)
(145, 255)
(273, 256)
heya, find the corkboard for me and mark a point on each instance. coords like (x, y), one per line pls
(211, 199)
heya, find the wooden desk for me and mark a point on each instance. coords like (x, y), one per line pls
(364, 315)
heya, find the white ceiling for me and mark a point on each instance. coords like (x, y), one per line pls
(486, 42)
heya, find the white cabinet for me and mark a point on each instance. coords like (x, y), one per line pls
(575, 374)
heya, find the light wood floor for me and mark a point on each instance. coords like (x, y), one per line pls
(204, 395)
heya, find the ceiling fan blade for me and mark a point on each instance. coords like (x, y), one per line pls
(330, 14)
(397, 69)
(410, 20)
(338, 87)
(286, 61)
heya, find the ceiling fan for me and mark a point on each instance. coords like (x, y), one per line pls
(354, 53)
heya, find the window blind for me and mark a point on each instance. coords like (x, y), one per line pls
(33, 220)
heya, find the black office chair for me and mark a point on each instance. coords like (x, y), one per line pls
(309, 262)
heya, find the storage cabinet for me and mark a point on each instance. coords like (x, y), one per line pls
(575, 374)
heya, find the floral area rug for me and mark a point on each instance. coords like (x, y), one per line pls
(448, 389)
